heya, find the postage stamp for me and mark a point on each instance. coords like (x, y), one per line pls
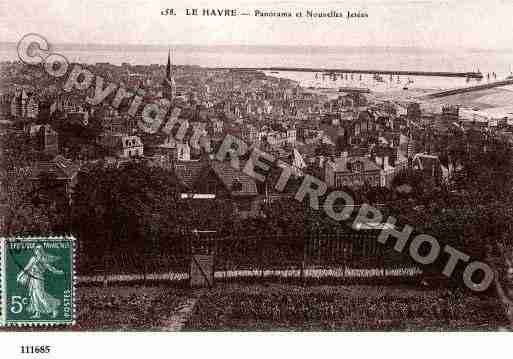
(38, 280)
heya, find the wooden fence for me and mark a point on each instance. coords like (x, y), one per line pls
(315, 257)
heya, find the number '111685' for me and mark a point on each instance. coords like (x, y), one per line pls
(35, 349)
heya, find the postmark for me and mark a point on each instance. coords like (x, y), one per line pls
(38, 280)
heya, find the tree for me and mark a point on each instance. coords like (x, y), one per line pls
(120, 204)
(136, 209)
(17, 151)
(475, 214)
(504, 279)
(21, 215)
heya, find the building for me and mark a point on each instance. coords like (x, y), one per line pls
(122, 146)
(32, 110)
(68, 104)
(24, 105)
(392, 162)
(173, 151)
(55, 180)
(429, 165)
(352, 172)
(218, 180)
(48, 140)
(450, 113)
(113, 121)
(413, 111)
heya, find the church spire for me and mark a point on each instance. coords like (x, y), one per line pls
(169, 85)
(168, 68)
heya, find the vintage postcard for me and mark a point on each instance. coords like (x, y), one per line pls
(256, 166)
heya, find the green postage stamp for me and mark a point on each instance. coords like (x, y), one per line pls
(37, 280)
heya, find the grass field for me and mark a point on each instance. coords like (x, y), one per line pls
(127, 308)
(282, 307)
(356, 307)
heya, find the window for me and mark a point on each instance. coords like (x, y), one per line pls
(236, 185)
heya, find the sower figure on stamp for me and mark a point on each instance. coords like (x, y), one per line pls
(32, 276)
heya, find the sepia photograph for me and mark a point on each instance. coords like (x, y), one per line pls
(244, 166)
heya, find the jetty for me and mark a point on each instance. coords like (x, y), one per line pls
(331, 72)
(461, 90)
(354, 89)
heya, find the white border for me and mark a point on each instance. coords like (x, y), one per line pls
(3, 302)
(237, 345)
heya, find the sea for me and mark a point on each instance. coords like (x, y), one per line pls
(361, 58)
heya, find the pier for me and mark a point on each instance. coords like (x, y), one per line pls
(354, 89)
(329, 72)
(461, 90)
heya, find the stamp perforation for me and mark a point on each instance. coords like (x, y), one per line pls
(71, 253)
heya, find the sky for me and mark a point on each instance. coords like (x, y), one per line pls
(391, 23)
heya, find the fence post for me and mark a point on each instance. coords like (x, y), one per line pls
(189, 256)
(145, 269)
(105, 275)
(214, 259)
(302, 273)
(262, 246)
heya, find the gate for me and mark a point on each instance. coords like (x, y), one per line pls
(203, 248)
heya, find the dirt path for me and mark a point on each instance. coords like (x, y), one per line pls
(181, 315)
